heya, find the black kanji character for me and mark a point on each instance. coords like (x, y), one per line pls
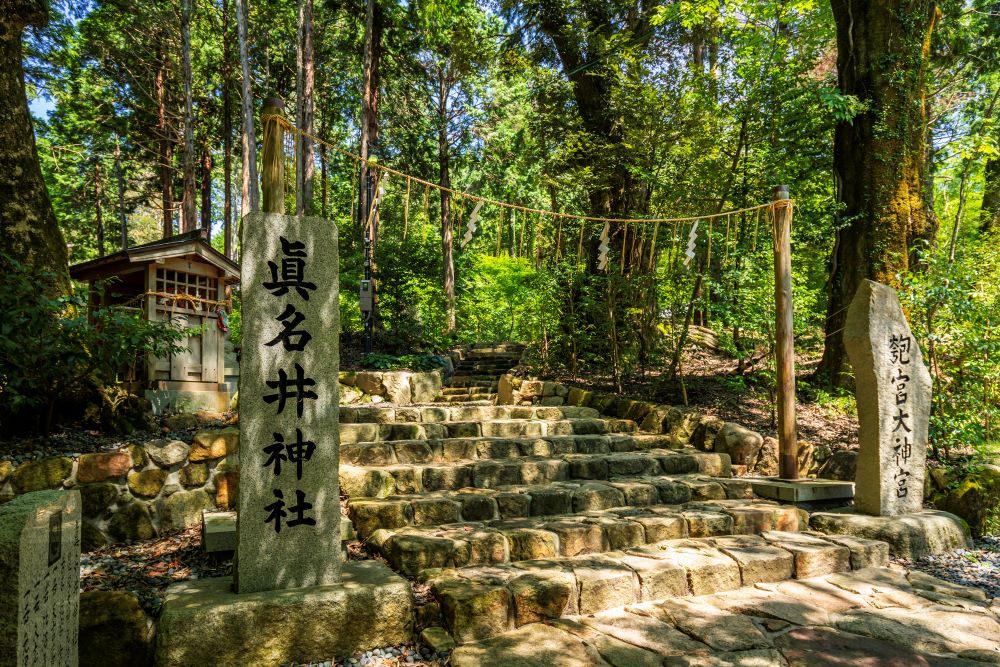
(290, 319)
(903, 451)
(276, 510)
(900, 421)
(292, 270)
(299, 391)
(295, 452)
(899, 348)
(300, 508)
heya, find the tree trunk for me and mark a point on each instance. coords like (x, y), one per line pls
(374, 26)
(251, 193)
(879, 156)
(166, 148)
(98, 211)
(305, 111)
(206, 189)
(188, 208)
(28, 229)
(227, 136)
(123, 219)
(444, 178)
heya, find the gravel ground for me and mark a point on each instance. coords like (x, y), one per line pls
(979, 566)
(389, 656)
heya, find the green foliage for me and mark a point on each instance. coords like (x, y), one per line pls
(50, 348)
(412, 362)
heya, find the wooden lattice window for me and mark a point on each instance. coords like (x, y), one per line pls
(170, 281)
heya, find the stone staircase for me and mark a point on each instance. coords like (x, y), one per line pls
(477, 375)
(515, 514)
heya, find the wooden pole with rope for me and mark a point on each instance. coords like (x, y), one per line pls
(272, 168)
(784, 348)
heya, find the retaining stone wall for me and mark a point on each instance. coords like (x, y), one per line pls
(141, 491)
(396, 387)
(749, 450)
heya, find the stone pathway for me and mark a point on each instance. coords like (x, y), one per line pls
(873, 617)
(477, 376)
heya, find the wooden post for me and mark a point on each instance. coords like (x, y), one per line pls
(272, 167)
(788, 448)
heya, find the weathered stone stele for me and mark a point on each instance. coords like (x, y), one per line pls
(40, 579)
(288, 528)
(893, 390)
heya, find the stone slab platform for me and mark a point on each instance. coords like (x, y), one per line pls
(802, 490)
(909, 535)
(204, 623)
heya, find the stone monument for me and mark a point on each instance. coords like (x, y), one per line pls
(893, 389)
(288, 520)
(40, 579)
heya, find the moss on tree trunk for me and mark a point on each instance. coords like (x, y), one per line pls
(28, 229)
(879, 156)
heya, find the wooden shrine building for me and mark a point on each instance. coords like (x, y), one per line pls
(144, 277)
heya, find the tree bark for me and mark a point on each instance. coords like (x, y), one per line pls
(206, 189)
(123, 219)
(227, 136)
(166, 148)
(879, 156)
(251, 194)
(374, 27)
(444, 178)
(188, 208)
(98, 210)
(990, 211)
(304, 169)
(29, 232)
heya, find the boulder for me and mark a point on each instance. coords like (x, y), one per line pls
(531, 389)
(349, 395)
(166, 453)
(193, 475)
(6, 467)
(214, 444)
(226, 484)
(767, 459)
(425, 386)
(91, 537)
(437, 639)
(578, 397)
(96, 498)
(132, 523)
(147, 483)
(369, 383)
(680, 423)
(655, 420)
(114, 631)
(181, 422)
(397, 388)
(911, 536)
(505, 390)
(102, 466)
(138, 455)
(976, 498)
(742, 444)
(704, 435)
(40, 474)
(183, 509)
(843, 465)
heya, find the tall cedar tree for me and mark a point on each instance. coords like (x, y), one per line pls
(29, 232)
(878, 156)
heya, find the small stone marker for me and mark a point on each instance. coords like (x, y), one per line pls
(40, 579)
(288, 523)
(893, 389)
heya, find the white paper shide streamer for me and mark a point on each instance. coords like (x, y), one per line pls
(602, 258)
(692, 240)
(470, 228)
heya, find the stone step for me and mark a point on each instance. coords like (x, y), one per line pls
(466, 393)
(466, 381)
(498, 428)
(412, 549)
(492, 373)
(481, 602)
(401, 502)
(459, 413)
(386, 480)
(453, 391)
(466, 447)
(486, 399)
(472, 378)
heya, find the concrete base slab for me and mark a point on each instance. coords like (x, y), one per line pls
(218, 531)
(802, 490)
(204, 623)
(909, 535)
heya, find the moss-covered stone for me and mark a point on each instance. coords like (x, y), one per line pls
(183, 509)
(147, 483)
(132, 523)
(46, 473)
(193, 475)
(6, 467)
(91, 537)
(214, 444)
(138, 456)
(113, 630)
(97, 498)
(976, 499)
